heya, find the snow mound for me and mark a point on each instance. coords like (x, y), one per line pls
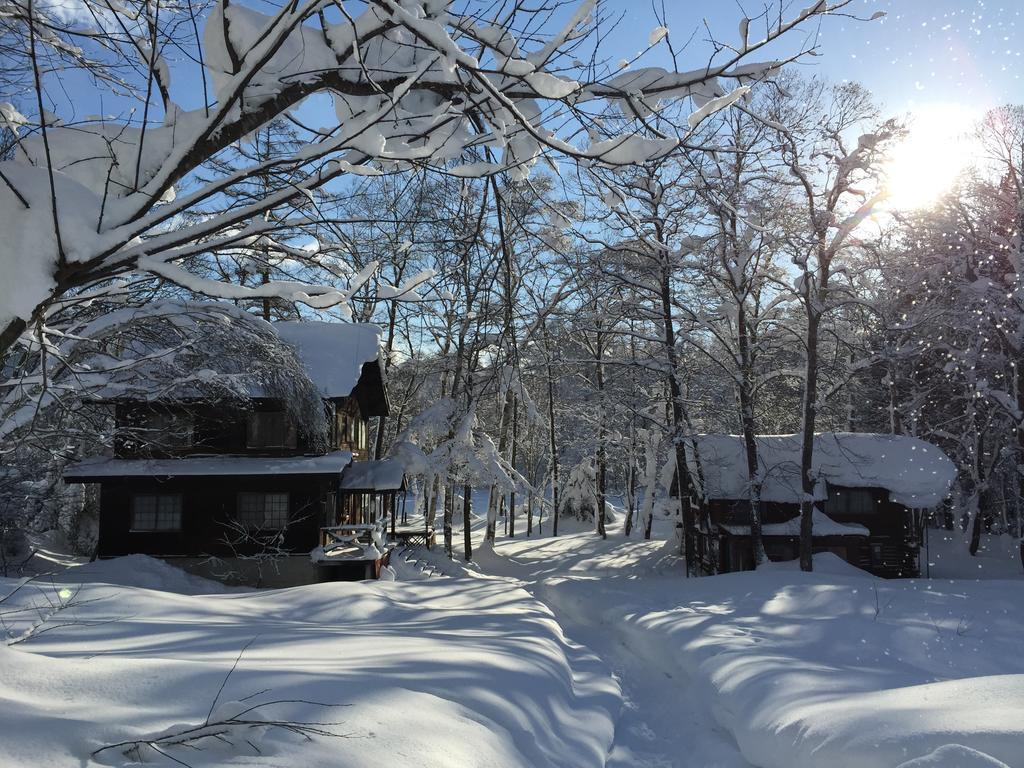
(432, 674)
(954, 756)
(948, 557)
(821, 669)
(824, 563)
(143, 572)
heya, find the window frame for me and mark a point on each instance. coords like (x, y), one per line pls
(159, 499)
(275, 524)
(289, 433)
(164, 430)
(838, 504)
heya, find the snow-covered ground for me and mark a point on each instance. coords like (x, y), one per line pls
(432, 673)
(946, 557)
(783, 669)
(573, 651)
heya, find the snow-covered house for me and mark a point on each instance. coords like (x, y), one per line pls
(871, 494)
(243, 489)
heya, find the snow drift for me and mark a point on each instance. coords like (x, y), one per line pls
(434, 673)
(845, 671)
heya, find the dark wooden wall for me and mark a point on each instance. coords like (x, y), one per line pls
(890, 549)
(223, 429)
(208, 503)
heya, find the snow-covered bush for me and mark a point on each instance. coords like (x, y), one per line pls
(15, 548)
(579, 496)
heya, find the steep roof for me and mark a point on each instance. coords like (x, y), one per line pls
(914, 472)
(332, 353)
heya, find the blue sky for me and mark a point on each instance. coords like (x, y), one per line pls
(922, 53)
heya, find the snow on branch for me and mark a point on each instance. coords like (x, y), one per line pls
(411, 83)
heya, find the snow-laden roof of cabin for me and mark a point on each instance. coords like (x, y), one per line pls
(383, 475)
(916, 473)
(210, 466)
(823, 525)
(332, 353)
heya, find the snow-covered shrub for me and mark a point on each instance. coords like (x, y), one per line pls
(15, 547)
(579, 496)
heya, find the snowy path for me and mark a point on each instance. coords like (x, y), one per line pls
(778, 668)
(587, 583)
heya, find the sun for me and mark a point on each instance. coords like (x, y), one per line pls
(924, 166)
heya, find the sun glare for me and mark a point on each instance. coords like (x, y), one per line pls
(926, 164)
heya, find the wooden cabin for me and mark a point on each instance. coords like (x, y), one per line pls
(871, 497)
(235, 490)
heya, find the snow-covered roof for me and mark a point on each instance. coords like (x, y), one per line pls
(383, 475)
(332, 353)
(823, 525)
(210, 466)
(916, 473)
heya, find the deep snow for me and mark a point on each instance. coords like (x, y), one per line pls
(781, 669)
(453, 664)
(435, 673)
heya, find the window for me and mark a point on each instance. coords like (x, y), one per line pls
(270, 429)
(352, 431)
(850, 502)
(165, 430)
(341, 427)
(268, 511)
(156, 512)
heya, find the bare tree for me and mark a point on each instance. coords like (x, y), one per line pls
(97, 196)
(833, 195)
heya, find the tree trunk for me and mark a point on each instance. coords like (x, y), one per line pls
(807, 440)
(685, 485)
(509, 334)
(602, 436)
(627, 526)
(551, 435)
(512, 493)
(976, 530)
(427, 482)
(746, 398)
(1018, 376)
(378, 447)
(492, 500)
(467, 536)
(449, 513)
(980, 497)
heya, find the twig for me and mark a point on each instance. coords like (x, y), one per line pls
(224, 682)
